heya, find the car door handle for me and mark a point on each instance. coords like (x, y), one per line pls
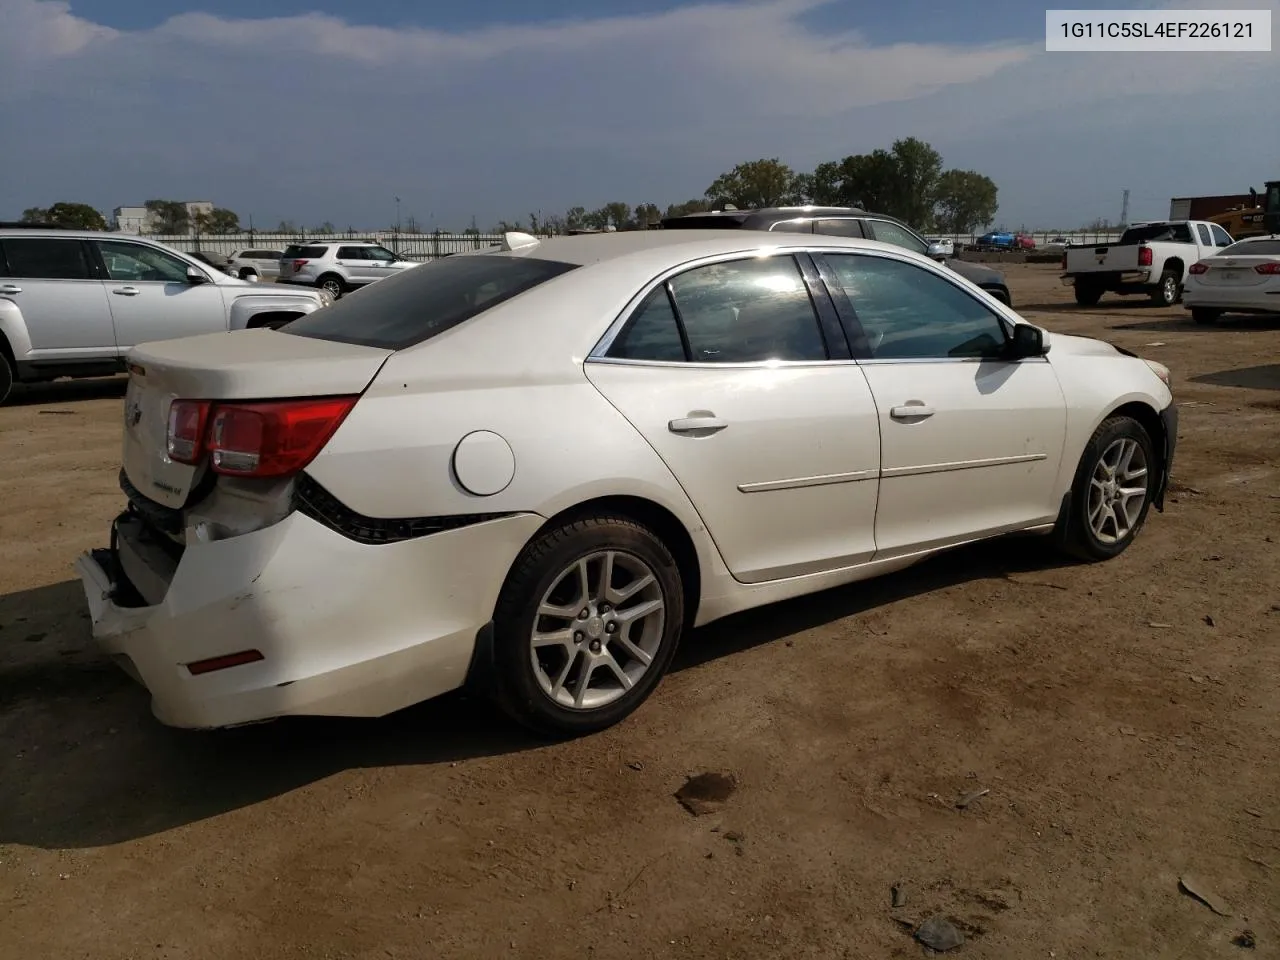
(912, 411)
(697, 424)
(126, 291)
(10, 288)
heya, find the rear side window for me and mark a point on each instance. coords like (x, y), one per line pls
(418, 304)
(295, 252)
(353, 253)
(44, 258)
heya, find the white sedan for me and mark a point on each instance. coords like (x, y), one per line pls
(1241, 278)
(536, 469)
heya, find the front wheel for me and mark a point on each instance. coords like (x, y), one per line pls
(1112, 491)
(1167, 292)
(586, 625)
(1204, 316)
(7, 378)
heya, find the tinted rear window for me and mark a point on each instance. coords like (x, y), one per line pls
(1154, 232)
(420, 303)
(1252, 248)
(706, 222)
(293, 252)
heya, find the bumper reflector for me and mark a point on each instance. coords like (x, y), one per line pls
(221, 663)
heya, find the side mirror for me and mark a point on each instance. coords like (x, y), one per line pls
(1028, 341)
(195, 277)
(936, 251)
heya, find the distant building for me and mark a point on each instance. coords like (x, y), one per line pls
(1202, 208)
(130, 219)
(142, 220)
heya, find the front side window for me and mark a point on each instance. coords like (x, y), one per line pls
(888, 232)
(908, 312)
(132, 261)
(416, 305)
(748, 311)
(41, 258)
(378, 253)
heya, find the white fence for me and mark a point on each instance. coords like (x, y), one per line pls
(427, 246)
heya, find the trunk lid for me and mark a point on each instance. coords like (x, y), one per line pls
(1234, 271)
(1105, 258)
(242, 365)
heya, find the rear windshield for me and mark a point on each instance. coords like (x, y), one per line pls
(1154, 232)
(420, 303)
(710, 221)
(294, 251)
(1252, 248)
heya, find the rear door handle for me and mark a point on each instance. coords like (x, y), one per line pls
(126, 291)
(697, 424)
(10, 288)
(912, 411)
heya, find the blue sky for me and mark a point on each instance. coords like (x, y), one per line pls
(326, 111)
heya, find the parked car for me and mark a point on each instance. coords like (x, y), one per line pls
(1024, 241)
(72, 303)
(996, 241)
(842, 222)
(1151, 258)
(1241, 278)
(943, 245)
(340, 266)
(256, 263)
(535, 469)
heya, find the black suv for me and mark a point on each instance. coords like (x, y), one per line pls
(841, 222)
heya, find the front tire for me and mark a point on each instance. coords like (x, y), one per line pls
(1087, 295)
(1168, 291)
(586, 625)
(1111, 494)
(1204, 316)
(246, 273)
(7, 378)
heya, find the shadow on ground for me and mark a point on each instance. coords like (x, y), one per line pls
(1265, 377)
(1186, 325)
(82, 762)
(67, 391)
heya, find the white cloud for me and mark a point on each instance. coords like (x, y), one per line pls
(312, 118)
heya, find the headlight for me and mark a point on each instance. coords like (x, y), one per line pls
(326, 297)
(1159, 369)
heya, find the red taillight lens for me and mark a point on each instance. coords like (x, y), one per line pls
(1271, 269)
(298, 265)
(185, 440)
(272, 439)
(1144, 256)
(269, 439)
(1199, 268)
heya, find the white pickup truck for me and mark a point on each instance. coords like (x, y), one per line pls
(1151, 258)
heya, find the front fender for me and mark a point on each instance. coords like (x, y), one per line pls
(246, 306)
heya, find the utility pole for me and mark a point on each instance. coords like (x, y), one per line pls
(1124, 210)
(397, 243)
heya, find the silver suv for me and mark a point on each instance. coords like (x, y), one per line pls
(339, 266)
(73, 302)
(254, 263)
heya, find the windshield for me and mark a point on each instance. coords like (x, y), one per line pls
(1252, 248)
(418, 304)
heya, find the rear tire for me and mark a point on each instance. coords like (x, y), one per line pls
(539, 658)
(334, 284)
(1204, 316)
(246, 273)
(1119, 465)
(1087, 294)
(1169, 290)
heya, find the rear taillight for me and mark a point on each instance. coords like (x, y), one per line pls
(298, 265)
(1144, 256)
(1199, 268)
(185, 440)
(269, 439)
(1270, 269)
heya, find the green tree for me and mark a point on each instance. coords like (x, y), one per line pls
(35, 215)
(73, 216)
(646, 215)
(918, 167)
(218, 220)
(618, 215)
(688, 207)
(169, 216)
(574, 217)
(596, 219)
(965, 201)
(756, 183)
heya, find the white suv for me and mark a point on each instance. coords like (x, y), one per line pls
(339, 266)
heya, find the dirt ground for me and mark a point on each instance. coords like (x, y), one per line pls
(1125, 718)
